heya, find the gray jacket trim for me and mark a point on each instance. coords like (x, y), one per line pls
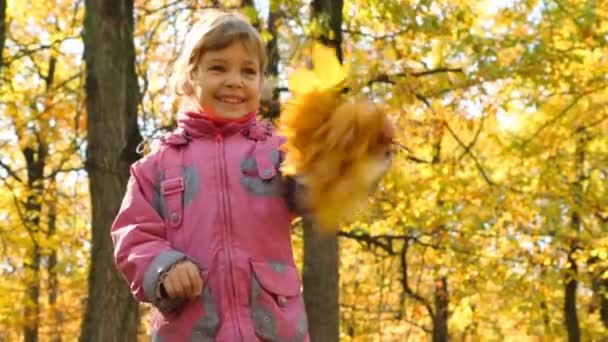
(161, 264)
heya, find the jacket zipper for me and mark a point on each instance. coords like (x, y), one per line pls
(227, 227)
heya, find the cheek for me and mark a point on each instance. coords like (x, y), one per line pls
(254, 89)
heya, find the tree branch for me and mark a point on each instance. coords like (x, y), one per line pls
(11, 172)
(470, 153)
(556, 118)
(405, 283)
(386, 78)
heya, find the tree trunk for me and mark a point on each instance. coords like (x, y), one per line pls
(604, 301)
(329, 15)
(31, 311)
(571, 274)
(249, 5)
(320, 274)
(599, 285)
(2, 30)
(35, 160)
(574, 334)
(321, 288)
(35, 155)
(112, 92)
(271, 107)
(440, 324)
(544, 308)
(53, 280)
(441, 294)
(273, 44)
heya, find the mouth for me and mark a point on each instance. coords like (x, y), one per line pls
(231, 99)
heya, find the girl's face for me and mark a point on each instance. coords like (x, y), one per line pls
(228, 81)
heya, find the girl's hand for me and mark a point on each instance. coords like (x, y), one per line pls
(183, 281)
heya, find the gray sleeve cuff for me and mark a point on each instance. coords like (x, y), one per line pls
(161, 264)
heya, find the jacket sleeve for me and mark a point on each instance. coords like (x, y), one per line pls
(141, 250)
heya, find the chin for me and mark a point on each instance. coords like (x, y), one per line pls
(233, 115)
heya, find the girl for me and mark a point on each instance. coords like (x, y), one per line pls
(203, 232)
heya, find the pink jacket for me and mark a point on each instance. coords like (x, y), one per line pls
(214, 196)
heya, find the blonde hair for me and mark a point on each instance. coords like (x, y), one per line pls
(214, 31)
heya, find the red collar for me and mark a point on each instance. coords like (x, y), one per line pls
(197, 124)
(220, 121)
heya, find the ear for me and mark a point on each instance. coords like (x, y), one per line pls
(189, 84)
(188, 87)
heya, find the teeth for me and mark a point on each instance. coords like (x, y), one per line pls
(231, 100)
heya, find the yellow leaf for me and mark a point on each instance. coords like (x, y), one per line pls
(327, 67)
(462, 316)
(303, 81)
(326, 74)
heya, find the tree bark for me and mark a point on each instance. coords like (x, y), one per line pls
(271, 107)
(53, 280)
(321, 264)
(441, 295)
(35, 159)
(574, 334)
(603, 292)
(112, 93)
(2, 31)
(599, 285)
(329, 15)
(440, 324)
(571, 274)
(321, 287)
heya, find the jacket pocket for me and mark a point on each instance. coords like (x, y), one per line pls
(277, 306)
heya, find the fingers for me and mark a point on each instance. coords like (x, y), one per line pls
(196, 281)
(170, 287)
(183, 281)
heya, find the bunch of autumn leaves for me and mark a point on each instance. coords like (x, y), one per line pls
(337, 145)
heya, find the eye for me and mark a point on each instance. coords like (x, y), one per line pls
(217, 68)
(250, 71)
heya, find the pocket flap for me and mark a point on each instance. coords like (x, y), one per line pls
(277, 278)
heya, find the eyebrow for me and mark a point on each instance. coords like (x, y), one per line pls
(216, 60)
(223, 61)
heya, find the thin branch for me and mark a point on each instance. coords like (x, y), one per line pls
(593, 123)
(556, 118)
(477, 133)
(410, 155)
(148, 11)
(436, 71)
(363, 236)
(11, 172)
(386, 78)
(466, 148)
(470, 153)
(405, 283)
(25, 52)
(376, 37)
(69, 169)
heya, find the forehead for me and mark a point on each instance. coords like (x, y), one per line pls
(237, 52)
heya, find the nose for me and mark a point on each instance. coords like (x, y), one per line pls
(234, 80)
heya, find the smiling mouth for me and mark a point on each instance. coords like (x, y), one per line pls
(231, 99)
